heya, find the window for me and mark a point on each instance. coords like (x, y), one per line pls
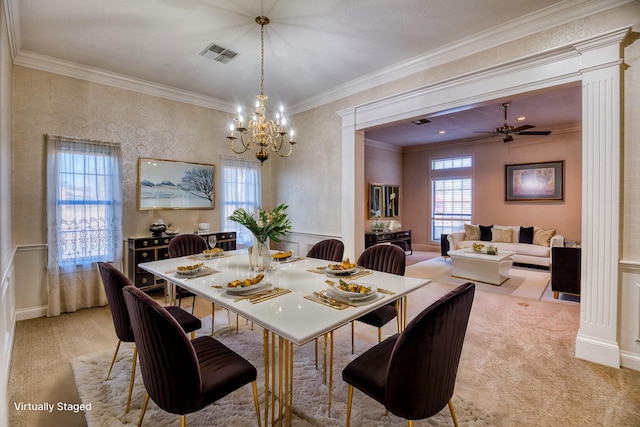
(241, 188)
(451, 196)
(84, 203)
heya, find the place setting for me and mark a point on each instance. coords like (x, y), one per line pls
(193, 270)
(254, 290)
(345, 269)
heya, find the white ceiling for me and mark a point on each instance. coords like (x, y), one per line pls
(314, 50)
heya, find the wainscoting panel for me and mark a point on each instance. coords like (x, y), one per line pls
(630, 315)
(300, 243)
(31, 281)
(7, 329)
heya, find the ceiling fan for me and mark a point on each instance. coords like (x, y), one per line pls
(507, 131)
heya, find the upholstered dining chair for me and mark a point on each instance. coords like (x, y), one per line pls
(413, 374)
(388, 259)
(329, 249)
(113, 281)
(184, 245)
(202, 370)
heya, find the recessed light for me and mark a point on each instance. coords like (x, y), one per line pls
(521, 118)
(442, 132)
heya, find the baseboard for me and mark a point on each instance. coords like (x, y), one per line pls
(630, 360)
(31, 313)
(598, 351)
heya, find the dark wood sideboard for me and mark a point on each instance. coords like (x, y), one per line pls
(145, 249)
(401, 238)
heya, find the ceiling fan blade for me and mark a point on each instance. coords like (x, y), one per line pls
(507, 138)
(521, 128)
(535, 132)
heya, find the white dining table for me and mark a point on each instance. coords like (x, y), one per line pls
(288, 319)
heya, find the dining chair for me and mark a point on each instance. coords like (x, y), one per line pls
(329, 249)
(202, 371)
(114, 281)
(388, 259)
(184, 245)
(413, 374)
(191, 244)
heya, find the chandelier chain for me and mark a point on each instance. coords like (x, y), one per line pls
(261, 59)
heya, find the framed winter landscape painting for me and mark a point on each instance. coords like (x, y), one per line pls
(168, 184)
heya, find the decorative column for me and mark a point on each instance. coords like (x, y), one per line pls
(601, 72)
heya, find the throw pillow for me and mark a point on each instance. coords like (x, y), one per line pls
(485, 232)
(526, 235)
(543, 237)
(471, 232)
(504, 235)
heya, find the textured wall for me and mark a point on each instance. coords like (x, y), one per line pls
(145, 126)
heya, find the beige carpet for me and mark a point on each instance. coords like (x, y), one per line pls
(310, 394)
(522, 283)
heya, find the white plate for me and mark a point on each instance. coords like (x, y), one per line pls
(188, 273)
(346, 272)
(243, 290)
(352, 295)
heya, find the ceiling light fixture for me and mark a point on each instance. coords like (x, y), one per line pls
(263, 134)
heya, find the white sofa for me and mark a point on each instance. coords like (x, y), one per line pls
(525, 253)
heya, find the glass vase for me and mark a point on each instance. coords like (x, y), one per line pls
(259, 255)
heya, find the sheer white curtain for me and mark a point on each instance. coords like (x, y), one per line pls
(241, 188)
(84, 220)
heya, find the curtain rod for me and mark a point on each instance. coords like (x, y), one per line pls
(240, 159)
(85, 140)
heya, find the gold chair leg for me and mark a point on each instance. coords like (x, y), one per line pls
(349, 401)
(213, 316)
(353, 332)
(254, 386)
(133, 377)
(379, 335)
(453, 413)
(116, 353)
(183, 420)
(193, 335)
(409, 423)
(316, 343)
(144, 409)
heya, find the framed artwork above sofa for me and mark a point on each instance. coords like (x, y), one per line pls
(535, 181)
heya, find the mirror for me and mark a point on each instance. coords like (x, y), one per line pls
(384, 201)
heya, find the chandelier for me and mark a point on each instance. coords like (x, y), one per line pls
(259, 133)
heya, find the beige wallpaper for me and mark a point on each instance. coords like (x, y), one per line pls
(145, 126)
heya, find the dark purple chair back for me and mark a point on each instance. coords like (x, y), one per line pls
(385, 258)
(422, 370)
(330, 250)
(186, 244)
(113, 281)
(168, 361)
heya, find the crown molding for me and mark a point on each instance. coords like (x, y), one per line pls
(544, 19)
(368, 142)
(527, 25)
(66, 68)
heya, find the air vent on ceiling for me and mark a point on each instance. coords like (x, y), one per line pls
(218, 53)
(421, 122)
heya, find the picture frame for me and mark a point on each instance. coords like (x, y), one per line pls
(542, 181)
(171, 184)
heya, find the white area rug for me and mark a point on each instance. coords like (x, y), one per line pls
(107, 398)
(523, 282)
